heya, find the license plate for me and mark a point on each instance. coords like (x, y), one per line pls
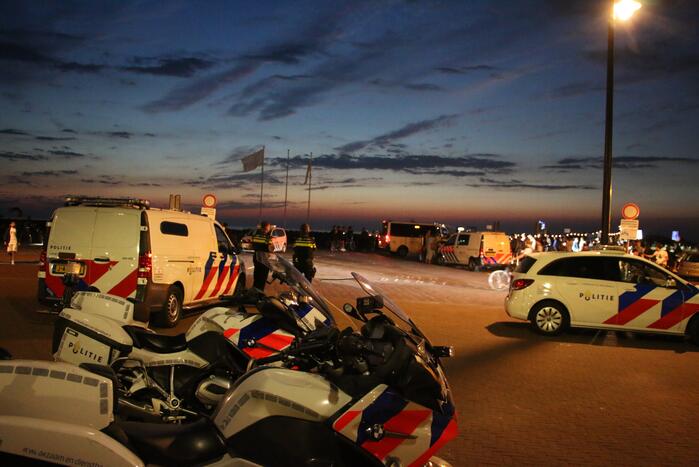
(77, 348)
(69, 268)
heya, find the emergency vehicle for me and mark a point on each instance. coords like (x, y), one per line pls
(477, 250)
(603, 290)
(163, 259)
(404, 238)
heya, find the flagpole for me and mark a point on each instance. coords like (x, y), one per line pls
(310, 186)
(262, 183)
(286, 190)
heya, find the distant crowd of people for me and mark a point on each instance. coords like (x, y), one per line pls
(665, 255)
(344, 239)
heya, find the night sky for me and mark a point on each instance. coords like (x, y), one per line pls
(466, 112)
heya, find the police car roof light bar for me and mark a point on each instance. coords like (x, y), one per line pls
(110, 202)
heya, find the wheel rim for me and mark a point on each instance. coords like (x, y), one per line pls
(172, 307)
(549, 319)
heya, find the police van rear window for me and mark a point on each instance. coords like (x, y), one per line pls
(174, 228)
(525, 264)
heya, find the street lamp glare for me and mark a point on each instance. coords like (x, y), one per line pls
(625, 9)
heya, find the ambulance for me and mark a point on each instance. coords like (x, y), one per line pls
(163, 259)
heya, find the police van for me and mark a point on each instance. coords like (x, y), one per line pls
(477, 250)
(163, 259)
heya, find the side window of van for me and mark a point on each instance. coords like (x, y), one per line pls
(451, 240)
(463, 240)
(174, 228)
(224, 246)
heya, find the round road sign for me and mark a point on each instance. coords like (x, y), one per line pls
(209, 201)
(630, 211)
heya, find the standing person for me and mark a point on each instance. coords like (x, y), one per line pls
(364, 240)
(303, 252)
(349, 244)
(429, 246)
(660, 256)
(11, 241)
(334, 239)
(261, 242)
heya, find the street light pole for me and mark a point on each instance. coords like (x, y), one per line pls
(621, 10)
(609, 118)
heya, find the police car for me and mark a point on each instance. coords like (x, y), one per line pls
(603, 290)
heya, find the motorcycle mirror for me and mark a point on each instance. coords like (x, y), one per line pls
(352, 312)
(369, 303)
(443, 351)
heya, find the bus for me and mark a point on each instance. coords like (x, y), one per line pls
(406, 238)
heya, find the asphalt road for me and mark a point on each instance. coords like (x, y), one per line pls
(586, 397)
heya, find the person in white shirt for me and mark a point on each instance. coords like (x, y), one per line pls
(11, 241)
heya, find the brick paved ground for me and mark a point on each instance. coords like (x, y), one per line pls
(584, 398)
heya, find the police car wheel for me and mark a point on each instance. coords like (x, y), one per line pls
(440, 260)
(402, 251)
(172, 309)
(549, 318)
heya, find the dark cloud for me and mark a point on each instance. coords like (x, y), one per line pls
(184, 96)
(420, 87)
(410, 129)
(99, 181)
(49, 173)
(461, 70)
(55, 138)
(28, 54)
(619, 162)
(514, 184)
(12, 131)
(400, 163)
(64, 154)
(182, 67)
(451, 173)
(15, 156)
(119, 134)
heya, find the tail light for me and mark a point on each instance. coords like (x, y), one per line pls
(480, 252)
(145, 266)
(388, 239)
(43, 261)
(519, 284)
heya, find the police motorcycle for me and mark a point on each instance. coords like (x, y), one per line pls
(374, 396)
(172, 378)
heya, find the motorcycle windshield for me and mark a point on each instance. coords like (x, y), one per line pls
(293, 278)
(389, 304)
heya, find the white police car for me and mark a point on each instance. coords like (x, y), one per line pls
(604, 290)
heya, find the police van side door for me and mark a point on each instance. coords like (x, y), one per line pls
(462, 247)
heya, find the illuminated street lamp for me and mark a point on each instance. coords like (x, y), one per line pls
(622, 10)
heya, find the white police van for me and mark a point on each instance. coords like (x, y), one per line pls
(602, 290)
(163, 259)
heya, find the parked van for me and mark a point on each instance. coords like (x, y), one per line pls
(477, 250)
(163, 259)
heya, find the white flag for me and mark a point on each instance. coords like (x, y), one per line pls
(308, 173)
(254, 160)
